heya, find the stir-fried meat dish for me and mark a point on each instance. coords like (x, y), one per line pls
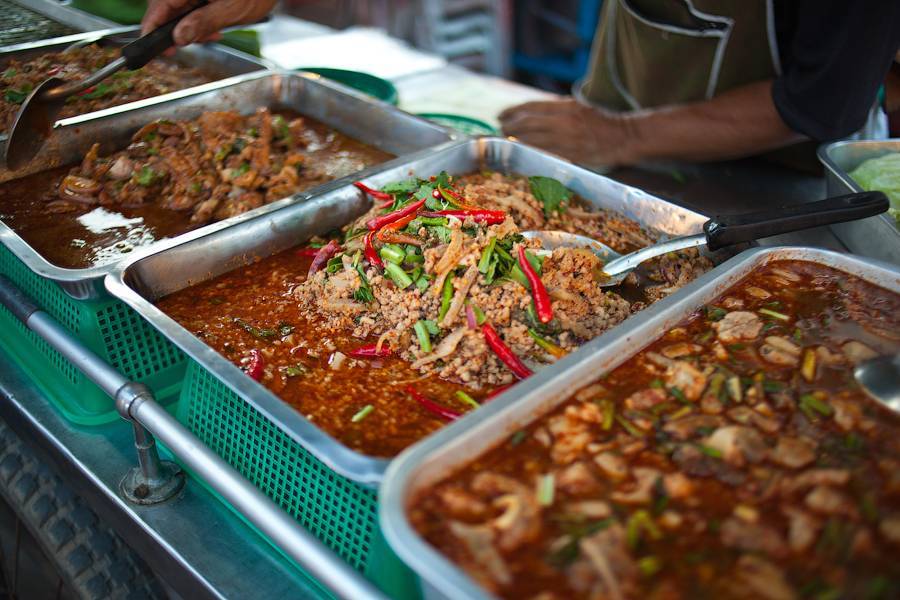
(160, 76)
(441, 276)
(735, 457)
(383, 336)
(175, 176)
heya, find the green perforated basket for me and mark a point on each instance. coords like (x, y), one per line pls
(107, 327)
(341, 513)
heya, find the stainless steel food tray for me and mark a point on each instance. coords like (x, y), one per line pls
(456, 445)
(220, 61)
(29, 20)
(877, 237)
(348, 111)
(139, 282)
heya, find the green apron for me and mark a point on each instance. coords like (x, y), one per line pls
(650, 53)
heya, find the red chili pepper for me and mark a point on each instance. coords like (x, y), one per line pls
(374, 193)
(254, 368)
(371, 351)
(54, 71)
(379, 222)
(389, 233)
(87, 91)
(323, 256)
(307, 252)
(498, 391)
(370, 252)
(451, 196)
(542, 305)
(504, 353)
(432, 406)
(490, 217)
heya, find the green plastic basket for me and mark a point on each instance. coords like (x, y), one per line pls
(107, 327)
(366, 83)
(340, 513)
(461, 123)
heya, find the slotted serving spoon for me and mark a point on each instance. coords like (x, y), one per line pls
(720, 232)
(36, 116)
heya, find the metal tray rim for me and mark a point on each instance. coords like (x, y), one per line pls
(508, 412)
(823, 152)
(349, 463)
(42, 267)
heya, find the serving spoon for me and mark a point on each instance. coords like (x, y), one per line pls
(720, 232)
(36, 116)
(880, 378)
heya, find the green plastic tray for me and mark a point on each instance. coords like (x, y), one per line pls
(107, 327)
(374, 86)
(463, 124)
(339, 512)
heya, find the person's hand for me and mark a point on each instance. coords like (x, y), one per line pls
(204, 24)
(580, 133)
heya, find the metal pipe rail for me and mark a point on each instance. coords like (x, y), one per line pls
(135, 402)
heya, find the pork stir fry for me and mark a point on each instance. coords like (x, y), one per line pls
(734, 458)
(219, 166)
(160, 76)
(440, 275)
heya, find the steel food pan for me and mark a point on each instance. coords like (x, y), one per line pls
(354, 114)
(141, 281)
(29, 20)
(217, 60)
(458, 444)
(877, 237)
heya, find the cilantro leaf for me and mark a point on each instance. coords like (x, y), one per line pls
(401, 187)
(550, 192)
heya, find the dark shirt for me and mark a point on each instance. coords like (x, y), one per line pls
(834, 56)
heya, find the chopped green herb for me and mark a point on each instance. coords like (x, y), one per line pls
(678, 395)
(714, 313)
(546, 489)
(629, 426)
(423, 336)
(257, 332)
(100, 90)
(550, 192)
(362, 414)
(569, 552)
(518, 437)
(772, 386)
(657, 384)
(285, 329)
(146, 176)
(196, 187)
(17, 96)
(641, 522)
(398, 275)
(810, 405)
(334, 264)
(446, 297)
(295, 370)
(9, 73)
(709, 451)
(649, 566)
(244, 167)
(464, 397)
(774, 315)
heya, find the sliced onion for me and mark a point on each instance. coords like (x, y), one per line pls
(79, 189)
(471, 319)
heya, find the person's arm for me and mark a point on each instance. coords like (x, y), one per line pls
(741, 122)
(205, 23)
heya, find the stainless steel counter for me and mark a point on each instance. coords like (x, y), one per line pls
(194, 544)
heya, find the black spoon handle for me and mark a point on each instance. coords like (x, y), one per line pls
(725, 231)
(147, 47)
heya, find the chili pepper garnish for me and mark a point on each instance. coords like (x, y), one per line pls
(390, 233)
(498, 391)
(254, 368)
(371, 351)
(372, 192)
(433, 407)
(504, 353)
(488, 217)
(541, 298)
(454, 198)
(370, 252)
(379, 222)
(308, 252)
(323, 256)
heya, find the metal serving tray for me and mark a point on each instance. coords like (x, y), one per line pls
(353, 113)
(29, 20)
(141, 281)
(220, 61)
(877, 237)
(460, 443)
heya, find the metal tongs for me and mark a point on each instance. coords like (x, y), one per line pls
(35, 119)
(720, 232)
